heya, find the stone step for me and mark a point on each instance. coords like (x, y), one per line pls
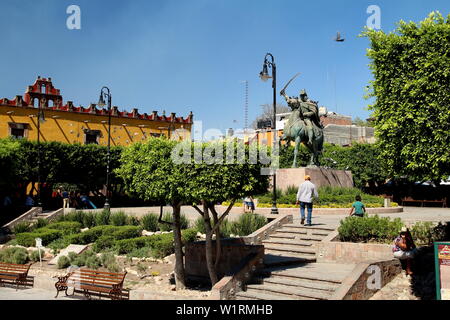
(313, 227)
(252, 294)
(273, 260)
(290, 248)
(293, 256)
(288, 241)
(300, 283)
(297, 235)
(297, 293)
(327, 272)
(278, 235)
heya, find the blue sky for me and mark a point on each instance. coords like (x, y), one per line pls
(193, 55)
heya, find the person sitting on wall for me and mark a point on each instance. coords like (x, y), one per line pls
(404, 248)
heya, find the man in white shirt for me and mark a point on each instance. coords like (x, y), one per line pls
(306, 192)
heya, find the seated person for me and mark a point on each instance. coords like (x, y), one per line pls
(249, 204)
(404, 248)
(359, 207)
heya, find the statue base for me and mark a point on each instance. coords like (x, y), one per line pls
(319, 176)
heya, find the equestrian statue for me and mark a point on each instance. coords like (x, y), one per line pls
(303, 126)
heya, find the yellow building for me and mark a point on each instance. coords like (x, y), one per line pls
(69, 124)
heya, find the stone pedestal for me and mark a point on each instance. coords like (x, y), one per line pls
(319, 176)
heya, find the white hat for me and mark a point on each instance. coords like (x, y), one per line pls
(404, 229)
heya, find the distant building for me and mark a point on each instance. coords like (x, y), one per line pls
(70, 124)
(338, 129)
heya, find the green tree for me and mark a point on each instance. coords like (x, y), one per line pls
(411, 69)
(362, 159)
(202, 179)
(214, 181)
(147, 171)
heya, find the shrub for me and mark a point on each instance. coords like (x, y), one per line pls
(93, 262)
(199, 225)
(34, 256)
(127, 245)
(143, 252)
(150, 222)
(168, 217)
(189, 235)
(41, 223)
(107, 258)
(247, 224)
(164, 226)
(102, 243)
(27, 239)
(133, 221)
(82, 259)
(368, 229)
(162, 248)
(58, 244)
(127, 232)
(63, 262)
(88, 220)
(22, 227)
(102, 218)
(14, 255)
(66, 227)
(184, 222)
(113, 267)
(93, 234)
(76, 216)
(118, 219)
(72, 256)
(425, 232)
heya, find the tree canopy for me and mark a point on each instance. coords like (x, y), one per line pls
(411, 87)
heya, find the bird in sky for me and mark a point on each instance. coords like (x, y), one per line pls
(338, 37)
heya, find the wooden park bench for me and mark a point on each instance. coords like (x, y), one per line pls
(15, 274)
(410, 199)
(94, 283)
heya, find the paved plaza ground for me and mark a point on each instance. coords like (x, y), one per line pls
(410, 215)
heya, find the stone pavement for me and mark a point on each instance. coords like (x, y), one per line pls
(33, 294)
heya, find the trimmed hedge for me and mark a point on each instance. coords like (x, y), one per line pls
(66, 227)
(369, 229)
(27, 239)
(160, 245)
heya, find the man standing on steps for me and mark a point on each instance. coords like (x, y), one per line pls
(305, 194)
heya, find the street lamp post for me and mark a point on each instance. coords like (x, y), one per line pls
(106, 93)
(40, 118)
(264, 75)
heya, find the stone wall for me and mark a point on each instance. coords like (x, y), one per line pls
(349, 252)
(361, 283)
(319, 176)
(233, 253)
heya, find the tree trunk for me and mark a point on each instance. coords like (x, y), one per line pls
(218, 238)
(208, 246)
(179, 264)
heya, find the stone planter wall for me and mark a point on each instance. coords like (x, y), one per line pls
(349, 252)
(361, 283)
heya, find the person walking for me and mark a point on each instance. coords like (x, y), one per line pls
(306, 192)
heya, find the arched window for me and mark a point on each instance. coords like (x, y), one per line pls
(43, 88)
(50, 103)
(36, 102)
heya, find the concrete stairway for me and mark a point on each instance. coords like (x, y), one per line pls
(43, 215)
(291, 272)
(308, 281)
(293, 243)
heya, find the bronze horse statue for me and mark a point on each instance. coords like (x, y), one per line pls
(295, 130)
